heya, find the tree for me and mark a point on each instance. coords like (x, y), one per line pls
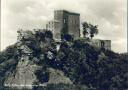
(89, 29)
(48, 34)
(68, 37)
(93, 30)
(85, 29)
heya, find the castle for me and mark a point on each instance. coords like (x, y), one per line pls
(66, 22)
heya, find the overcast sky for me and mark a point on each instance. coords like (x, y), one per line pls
(109, 15)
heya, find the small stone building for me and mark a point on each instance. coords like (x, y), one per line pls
(101, 43)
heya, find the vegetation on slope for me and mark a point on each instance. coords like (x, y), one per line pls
(84, 64)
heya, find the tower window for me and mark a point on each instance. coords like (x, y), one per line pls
(102, 44)
(64, 20)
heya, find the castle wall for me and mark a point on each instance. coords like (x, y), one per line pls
(107, 44)
(58, 16)
(74, 25)
(50, 26)
(101, 43)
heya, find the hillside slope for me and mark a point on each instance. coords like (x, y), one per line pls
(34, 60)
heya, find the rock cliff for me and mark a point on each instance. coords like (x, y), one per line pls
(33, 47)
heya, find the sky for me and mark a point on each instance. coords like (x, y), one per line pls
(109, 15)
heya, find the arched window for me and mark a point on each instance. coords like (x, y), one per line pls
(64, 20)
(102, 44)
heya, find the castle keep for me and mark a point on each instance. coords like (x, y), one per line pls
(64, 22)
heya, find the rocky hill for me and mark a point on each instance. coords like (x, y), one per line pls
(33, 62)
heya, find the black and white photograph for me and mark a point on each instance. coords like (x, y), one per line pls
(63, 45)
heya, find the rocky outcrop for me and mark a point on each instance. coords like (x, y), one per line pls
(24, 75)
(32, 46)
(57, 76)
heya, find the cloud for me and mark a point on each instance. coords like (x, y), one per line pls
(109, 15)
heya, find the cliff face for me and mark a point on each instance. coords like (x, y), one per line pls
(33, 47)
(57, 76)
(24, 75)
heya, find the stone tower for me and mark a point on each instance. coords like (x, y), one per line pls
(65, 22)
